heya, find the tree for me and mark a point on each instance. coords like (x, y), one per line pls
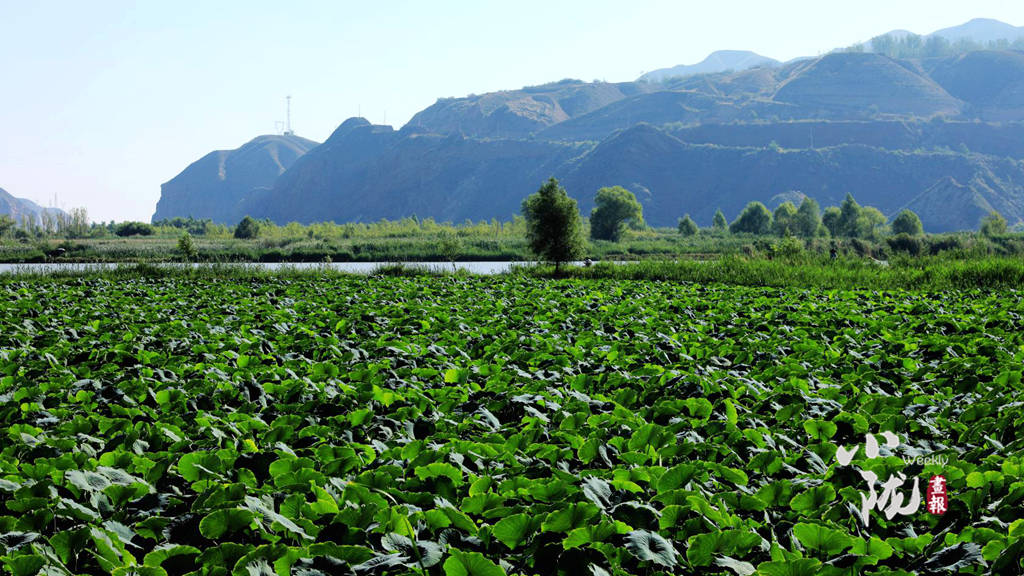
(755, 219)
(906, 222)
(614, 209)
(78, 225)
(784, 219)
(830, 220)
(554, 229)
(247, 228)
(687, 227)
(808, 218)
(849, 212)
(719, 222)
(134, 229)
(993, 225)
(187, 248)
(6, 223)
(450, 247)
(870, 223)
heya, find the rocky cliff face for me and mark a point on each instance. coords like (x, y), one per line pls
(945, 136)
(214, 186)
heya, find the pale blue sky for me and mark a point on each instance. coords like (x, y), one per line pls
(101, 101)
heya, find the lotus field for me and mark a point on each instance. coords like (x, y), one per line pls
(483, 426)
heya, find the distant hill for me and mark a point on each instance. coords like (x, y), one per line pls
(213, 186)
(865, 85)
(365, 173)
(672, 177)
(17, 208)
(991, 82)
(959, 206)
(981, 30)
(944, 135)
(519, 113)
(720, 61)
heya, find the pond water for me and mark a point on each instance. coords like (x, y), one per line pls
(353, 267)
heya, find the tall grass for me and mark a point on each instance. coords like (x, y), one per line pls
(929, 273)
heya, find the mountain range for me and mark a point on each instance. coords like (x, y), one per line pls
(943, 136)
(19, 208)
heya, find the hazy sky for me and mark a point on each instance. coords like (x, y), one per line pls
(102, 101)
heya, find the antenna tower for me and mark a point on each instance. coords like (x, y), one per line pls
(288, 126)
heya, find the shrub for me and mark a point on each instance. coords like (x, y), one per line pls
(247, 228)
(134, 229)
(904, 242)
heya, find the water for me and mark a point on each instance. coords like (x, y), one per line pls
(487, 268)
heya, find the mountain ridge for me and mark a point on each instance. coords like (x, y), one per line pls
(17, 208)
(854, 122)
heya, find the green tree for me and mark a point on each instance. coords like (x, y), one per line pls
(687, 227)
(755, 219)
(554, 229)
(784, 219)
(830, 220)
(808, 218)
(993, 225)
(187, 247)
(849, 212)
(134, 229)
(6, 224)
(450, 247)
(614, 209)
(906, 222)
(870, 223)
(247, 228)
(719, 222)
(78, 223)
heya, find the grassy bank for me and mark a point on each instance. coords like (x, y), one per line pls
(921, 273)
(847, 273)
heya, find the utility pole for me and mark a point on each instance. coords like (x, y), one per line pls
(288, 124)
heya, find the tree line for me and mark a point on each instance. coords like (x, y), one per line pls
(555, 229)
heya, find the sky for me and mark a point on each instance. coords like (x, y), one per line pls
(103, 101)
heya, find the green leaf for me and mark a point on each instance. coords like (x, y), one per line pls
(874, 547)
(164, 552)
(461, 563)
(822, 538)
(568, 518)
(227, 520)
(730, 412)
(196, 466)
(87, 480)
(820, 430)
(24, 565)
(796, 567)
(325, 503)
(439, 470)
(700, 548)
(649, 546)
(676, 477)
(513, 530)
(738, 567)
(813, 499)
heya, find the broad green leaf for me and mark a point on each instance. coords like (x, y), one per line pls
(813, 498)
(461, 563)
(439, 470)
(513, 530)
(822, 538)
(649, 546)
(224, 521)
(796, 567)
